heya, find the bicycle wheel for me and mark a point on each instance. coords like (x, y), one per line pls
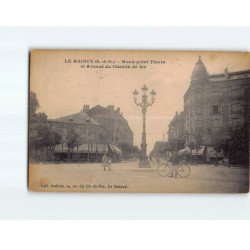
(183, 171)
(163, 170)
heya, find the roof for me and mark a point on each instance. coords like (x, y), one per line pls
(100, 110)
(199, 71)
(233, 73)
(97, 109)
(80, 118)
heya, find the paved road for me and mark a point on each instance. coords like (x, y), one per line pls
(126, 176)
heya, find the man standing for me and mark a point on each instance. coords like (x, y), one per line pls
(174, 164)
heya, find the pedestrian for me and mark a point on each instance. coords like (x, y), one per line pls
(106, 161)
(158, 159)
(175, 161)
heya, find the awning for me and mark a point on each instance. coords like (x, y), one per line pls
(114, 149)
(184, 151)
(84, 148)
(211, 152)
(92, 147)
(200, 151)
(117, 150)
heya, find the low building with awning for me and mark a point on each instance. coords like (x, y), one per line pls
(88, 151)
(200, 151)
(185, 151)
(194, 154)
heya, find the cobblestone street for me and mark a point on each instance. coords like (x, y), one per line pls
(126, 176)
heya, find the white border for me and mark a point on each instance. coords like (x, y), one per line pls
(18, 203)
(124, 13)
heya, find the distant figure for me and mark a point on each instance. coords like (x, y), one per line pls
(158, 159)
(174, 165)
(106, 161)
(150, 157)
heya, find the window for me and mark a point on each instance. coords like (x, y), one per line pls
(215, 125)
(237, 123)
(198, 110)
(215, 109)
(237, 108)
(236, 93)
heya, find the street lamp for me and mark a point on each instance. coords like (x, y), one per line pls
(88, 122)
(144, 104)
(176, 131)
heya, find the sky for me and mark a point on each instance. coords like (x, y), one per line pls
(63, 85)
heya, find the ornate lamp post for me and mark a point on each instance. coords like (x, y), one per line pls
(89, 135)
(144, 104)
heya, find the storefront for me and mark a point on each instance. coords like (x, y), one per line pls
(92, 152)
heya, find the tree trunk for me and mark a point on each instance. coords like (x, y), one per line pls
(216, 159)
(52, 152)
(68, 155)
(44, 155)
(47, 154)
(196, 157)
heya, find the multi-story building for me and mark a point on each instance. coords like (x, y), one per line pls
(92, 135)
(118, 130)
(176, 126)
(85, 126)
(215, 104)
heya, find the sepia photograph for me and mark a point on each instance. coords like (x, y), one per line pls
(139, 121)
(121, 122)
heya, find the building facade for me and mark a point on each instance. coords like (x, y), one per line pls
(215, 104)
(91, 136)
(176, 131)
(85, 126)
(99, 130)
(113, 121)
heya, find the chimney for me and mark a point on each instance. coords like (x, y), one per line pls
(226, 73)
(118, 111)
(85, 108)
(111, 108)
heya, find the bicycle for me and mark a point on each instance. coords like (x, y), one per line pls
(183, 170)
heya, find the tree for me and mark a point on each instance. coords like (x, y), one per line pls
(231, 142)
(195, 144)
(73, 140)
(33, 106)
(221, 143)
(171, 145)
(126, 149)
(41, 136)
(54, 139)
(136, 151)
(237, 144)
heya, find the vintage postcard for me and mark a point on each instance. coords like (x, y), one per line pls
(139, 121)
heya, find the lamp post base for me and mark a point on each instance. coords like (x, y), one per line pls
(144, 163)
